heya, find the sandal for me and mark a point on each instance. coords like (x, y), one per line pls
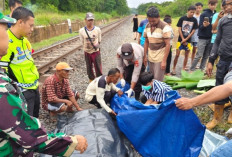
(76, 94)
(173, 73)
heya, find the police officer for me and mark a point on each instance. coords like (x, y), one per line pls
(21, 67)
(130, 63)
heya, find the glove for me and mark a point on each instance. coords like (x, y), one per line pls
(130, 92)
(123, 82)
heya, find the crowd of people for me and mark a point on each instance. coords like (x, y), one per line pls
(205, 33)
(142, 65)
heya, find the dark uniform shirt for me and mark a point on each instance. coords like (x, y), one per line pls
(223, 42)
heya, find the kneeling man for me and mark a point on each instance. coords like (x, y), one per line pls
(100, 91)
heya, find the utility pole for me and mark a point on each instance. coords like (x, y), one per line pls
(2, 5)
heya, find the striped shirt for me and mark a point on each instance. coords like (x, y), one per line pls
(53, 88)
(156, 47)
(158, 91)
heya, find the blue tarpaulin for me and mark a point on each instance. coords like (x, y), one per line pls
(163, 132)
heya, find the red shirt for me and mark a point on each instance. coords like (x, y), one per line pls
(53, 88)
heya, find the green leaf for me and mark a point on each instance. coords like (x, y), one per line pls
(187, 80)
(194, 76)
(199, 91)
(206, 83)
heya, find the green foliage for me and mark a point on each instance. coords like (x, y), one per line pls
(103, 6)
(142, 8)
(56, 11)
(114, 13)
(48, 18)
(121, 7)
(109, 5)
(176, 8)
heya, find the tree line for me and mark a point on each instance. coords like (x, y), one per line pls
(107, 6)
(175, 8)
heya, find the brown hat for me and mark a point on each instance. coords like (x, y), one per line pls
(89, 16)
(63, 66)
(127, 51)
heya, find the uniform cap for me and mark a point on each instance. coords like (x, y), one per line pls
(127, 51)
(6, 19)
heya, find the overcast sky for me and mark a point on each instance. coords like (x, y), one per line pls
(135, 3)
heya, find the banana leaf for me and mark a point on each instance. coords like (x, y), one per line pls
(187, 85)
(206, 83)
(194, 76)
(171, 79)
(187, 80)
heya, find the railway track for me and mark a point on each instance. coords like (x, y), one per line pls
(47, 58)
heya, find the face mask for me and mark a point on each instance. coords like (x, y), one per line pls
(147, 88)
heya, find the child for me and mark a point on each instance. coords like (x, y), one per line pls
(186, 27)
(154, 90)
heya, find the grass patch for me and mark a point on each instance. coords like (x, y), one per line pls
(48, 42)
(45, 17)
(174, 22)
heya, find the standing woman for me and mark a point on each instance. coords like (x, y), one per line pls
(135, 27)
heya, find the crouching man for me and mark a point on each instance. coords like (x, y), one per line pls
(130, 58)
(57, 95)
(102, 89)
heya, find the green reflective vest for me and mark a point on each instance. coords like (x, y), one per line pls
(21, 66)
